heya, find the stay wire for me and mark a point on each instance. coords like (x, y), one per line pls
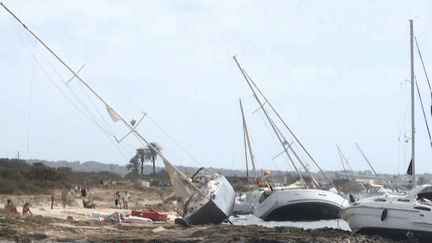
(51, 79)
(424, 68)
(30, 107)
(184, 150)
(424, 114)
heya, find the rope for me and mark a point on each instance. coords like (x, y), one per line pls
(424, 68)
(424, 114)
(52, 81)
(30, 106)
(184, 150)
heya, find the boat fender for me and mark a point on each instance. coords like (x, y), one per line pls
(384, 214)
(182, 222)
(352, 199)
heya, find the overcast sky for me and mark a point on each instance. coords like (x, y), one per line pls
(336, 71)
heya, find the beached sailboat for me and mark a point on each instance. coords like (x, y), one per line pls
(207, 202)
(299, 202)
(396, 216)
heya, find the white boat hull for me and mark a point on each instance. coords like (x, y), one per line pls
(300, 205)
(392, 220)
(216, 207)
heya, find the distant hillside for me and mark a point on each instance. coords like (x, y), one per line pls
(92, 166)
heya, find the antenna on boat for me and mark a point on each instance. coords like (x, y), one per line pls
(114, 114)
(412, 102)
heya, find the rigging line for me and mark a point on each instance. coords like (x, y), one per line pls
(51, 79)
(30, 106)
(424, 68)
(97, 110)
(73, 93)
(424, 114)
(275, 143)
(184, 150)
(46, 73)
(44, 70)
(292, 133)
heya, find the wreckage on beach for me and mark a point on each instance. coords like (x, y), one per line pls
(207, 201)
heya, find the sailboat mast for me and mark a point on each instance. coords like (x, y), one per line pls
(265, 113)
(132, 128)
(248, 142)
(412, 101)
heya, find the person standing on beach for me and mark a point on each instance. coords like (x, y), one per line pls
(64, 198)
(53, 194)
(126, 197)
(26, 209)
(117, 200)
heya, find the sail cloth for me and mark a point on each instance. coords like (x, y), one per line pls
(180, 186)
(114, 116)
(409, 171)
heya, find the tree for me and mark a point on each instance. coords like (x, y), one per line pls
(152, 155)
(142, 157)
(133, 164)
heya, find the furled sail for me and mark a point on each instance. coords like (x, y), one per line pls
(114, 116)
(180, 186)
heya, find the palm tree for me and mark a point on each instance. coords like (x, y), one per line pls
(133, 164)
(139, 158)
(152, 155)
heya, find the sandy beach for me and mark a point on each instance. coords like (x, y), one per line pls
(76, 224)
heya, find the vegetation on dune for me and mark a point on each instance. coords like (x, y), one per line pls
(18, 177)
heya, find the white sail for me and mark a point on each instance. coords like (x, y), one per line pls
(114, 116)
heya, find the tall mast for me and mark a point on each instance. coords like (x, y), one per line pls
(412, 101)
(132, 128)
(248, 142)
(284, 143)
(248, 80)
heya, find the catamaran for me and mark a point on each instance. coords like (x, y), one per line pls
(396, 216)
(207, 202)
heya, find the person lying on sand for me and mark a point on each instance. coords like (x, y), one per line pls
(10, 206)
(26, 209)
(88, 204)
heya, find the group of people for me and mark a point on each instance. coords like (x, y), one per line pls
(11, 207)
(125, 198)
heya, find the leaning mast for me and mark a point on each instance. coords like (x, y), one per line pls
(131, 127)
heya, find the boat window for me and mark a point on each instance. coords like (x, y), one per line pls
(380, 200)
(403, 200)
(426, 193)
(422, 208)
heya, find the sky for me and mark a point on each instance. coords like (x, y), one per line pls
(337, 73)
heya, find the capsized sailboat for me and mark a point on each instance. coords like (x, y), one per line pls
(399, 217)
(206, 202)
(302, 202)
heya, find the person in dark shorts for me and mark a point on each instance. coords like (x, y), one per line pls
(117, 199)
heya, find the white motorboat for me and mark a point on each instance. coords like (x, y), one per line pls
(206, 202)
(298, 202)
(392, 215)
(299, 205)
